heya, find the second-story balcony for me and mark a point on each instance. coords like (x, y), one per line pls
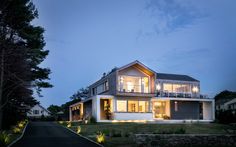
(180, 95)
(134, 90)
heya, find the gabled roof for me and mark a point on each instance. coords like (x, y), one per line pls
(165, 76)
(138, 65)
(43, 108)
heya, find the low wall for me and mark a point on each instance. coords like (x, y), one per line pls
(166, 140)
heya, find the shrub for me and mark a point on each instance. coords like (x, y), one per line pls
(180, 131)
(4, 139)
(92, 120)
(226, 116)
(16, 130)
(100, 137)
(106, 132)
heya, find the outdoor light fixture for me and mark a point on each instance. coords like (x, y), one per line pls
(195, 89)
(158, 87)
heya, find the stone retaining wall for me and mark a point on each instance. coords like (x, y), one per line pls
(166, 140)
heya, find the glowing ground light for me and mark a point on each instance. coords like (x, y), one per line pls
(78, 129)
(69, 125)
(100, 137)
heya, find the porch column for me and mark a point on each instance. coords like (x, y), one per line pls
(70, 113)
(98, 108)
(208, 110)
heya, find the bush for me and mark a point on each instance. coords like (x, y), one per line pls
(226, 117)
(4, 139)
(16, 130)
(180, 131)
(177, 131)
(92, 120)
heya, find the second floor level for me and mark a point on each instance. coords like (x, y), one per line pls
(136, 79)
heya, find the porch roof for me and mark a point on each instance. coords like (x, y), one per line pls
(81, 102)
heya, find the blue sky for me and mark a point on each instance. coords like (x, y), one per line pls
(89, 37)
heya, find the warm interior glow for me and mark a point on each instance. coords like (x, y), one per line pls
(133, 84)
(121, 105)
(161, 109)
(177, 88)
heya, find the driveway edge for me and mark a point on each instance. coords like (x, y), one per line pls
(22, 134)
(82, 136)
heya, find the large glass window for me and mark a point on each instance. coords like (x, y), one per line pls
(178, 88)
(143, 106)
(121, 105)
(133, 84)
(167, 87)
(159, 109)
(132, 106)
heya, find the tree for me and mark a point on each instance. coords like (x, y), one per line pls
(82, 93)
(54, 109)
(21, 52)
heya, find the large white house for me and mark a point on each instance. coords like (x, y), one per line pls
(38, 111)
(134, 92)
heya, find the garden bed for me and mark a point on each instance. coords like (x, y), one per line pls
(122, 134)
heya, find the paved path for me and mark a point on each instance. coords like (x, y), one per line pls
(50, 134)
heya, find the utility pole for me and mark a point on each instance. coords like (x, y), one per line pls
(1, 85)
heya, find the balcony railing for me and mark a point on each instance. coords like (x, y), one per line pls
(180, 95)
(133, 89)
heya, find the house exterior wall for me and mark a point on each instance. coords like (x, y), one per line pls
(188, 107)
(40, 110)
(185, 110)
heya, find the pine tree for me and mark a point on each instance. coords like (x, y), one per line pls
(21, 52)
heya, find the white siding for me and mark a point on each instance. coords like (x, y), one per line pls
(40, 110)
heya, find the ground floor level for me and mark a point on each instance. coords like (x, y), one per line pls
(107, 108)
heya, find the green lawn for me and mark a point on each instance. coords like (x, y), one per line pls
(120, 134)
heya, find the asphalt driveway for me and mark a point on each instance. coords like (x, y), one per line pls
(50, 134)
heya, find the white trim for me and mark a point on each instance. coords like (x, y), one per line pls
(136, 62)
(22, 134)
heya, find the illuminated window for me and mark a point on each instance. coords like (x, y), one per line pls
(121, 105)
(167, 87)
(132, 106)
(133, 84)
(143, 106)
(178, 88)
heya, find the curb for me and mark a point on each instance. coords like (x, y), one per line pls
(82, 136)
(22, 134)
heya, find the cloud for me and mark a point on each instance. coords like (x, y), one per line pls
(166, 16)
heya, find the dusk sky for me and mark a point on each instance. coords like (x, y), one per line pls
(89, 37)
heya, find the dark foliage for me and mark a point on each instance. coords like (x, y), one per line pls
(226, 117)
(225, 95)
(21, 52)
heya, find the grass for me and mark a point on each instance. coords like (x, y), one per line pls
(120, 134)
